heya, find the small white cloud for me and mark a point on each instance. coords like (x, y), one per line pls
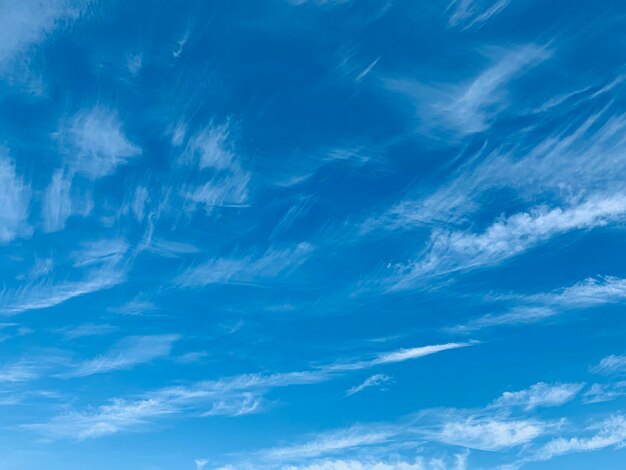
(607, 433)
(451, 251)
(201, 463)
(97, 143)
(126, 354)
(14, 202)
(469, 13)
(612, 364)
(373, 381)
(331, 442)
(57, 202)
(540, 395)
(212, 151)
(489, 434)
(247, 269)
(457, 110)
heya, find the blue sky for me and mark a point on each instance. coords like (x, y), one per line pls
(312, 234)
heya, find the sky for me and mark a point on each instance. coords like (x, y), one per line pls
(312, 234)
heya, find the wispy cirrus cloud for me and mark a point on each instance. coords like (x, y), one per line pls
(15, 196)
(612, 364)
(48, 293)
(607, 433)
(126, 354)
(600, 393)
(105, 420)
(488, 434)
(57, 202)
(540, 395)
(466, 108)
(97, 142)
(212, 151)
(450, 251)
(100, 265)
(333, 441)
(466, 14)
(231, 396)
(577, 161)
(537, 307)
(374, 381)
(246, 269)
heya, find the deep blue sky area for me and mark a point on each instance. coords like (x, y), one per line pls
(312, 234)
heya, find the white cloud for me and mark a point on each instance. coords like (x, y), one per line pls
(126, 354)
(46, 294)
(24, 23)
(57, 202)
(540, 395)
(247, 269)
(599, 393)
(489, 434)
(212, 151)
(23, 371)
(97, 143)
(373, 381)
(102, 421)
(88, 329)
(469, 13)
(231, 396)
(537, 307)
(201, 463)
(470, 107)
(451, 251)
(400, 355)
(579, 162)
(612, 364)
(610, 432)
(389, 463)
(248, 403)
(14, 202)
(335, 441)
(588, 293)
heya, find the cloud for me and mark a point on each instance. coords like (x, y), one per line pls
(47, 294)
(201, 463)
(212, 152)
(14, 202)
(471, 107)
(610, 432)
(577, 161)
(399, 355)
(468, 13)
(599, 393)
(101, 265)
(232, 396)
(588, 293)
(97, 143)
(104, 420)
(88, 329)
(537, 307)
(451, 251)
(389, 463)
(612, 364)
(57, 203)
(248, 403)
(335, 441)
(373, 381)
(25, 23)
(489, 434)
(247, 269)
(23, 371)
(540, 395)
(126, 354)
